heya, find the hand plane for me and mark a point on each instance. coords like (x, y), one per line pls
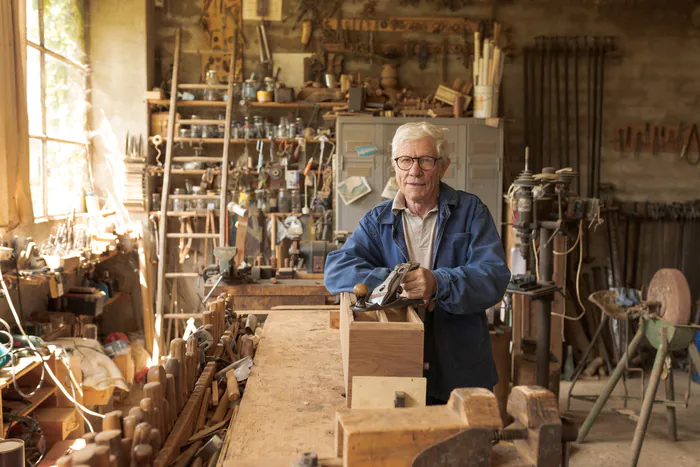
(388, 294)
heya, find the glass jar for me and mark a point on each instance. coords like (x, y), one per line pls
(155, 202)
(295, 197)
(212, 79)
(236, 131)
(247, 129)
(178, 203)
(261, 200)
(259, 126)
(271, 200)
(214, 203)
(250, 90)
(270, 130)
(299, 126)
(282, 129)
(195, 130)
(221, 127)
(284, 202)
(270, 84)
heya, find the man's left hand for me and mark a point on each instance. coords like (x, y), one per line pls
(419, 283)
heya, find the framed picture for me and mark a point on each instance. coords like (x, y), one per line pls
(353, 188)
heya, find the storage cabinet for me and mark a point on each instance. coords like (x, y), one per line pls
(475, 150)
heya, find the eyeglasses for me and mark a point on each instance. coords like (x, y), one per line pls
(425, 162)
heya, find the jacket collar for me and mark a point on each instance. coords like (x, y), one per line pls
(448, 197)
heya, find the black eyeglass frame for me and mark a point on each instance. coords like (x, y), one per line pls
(414, 159)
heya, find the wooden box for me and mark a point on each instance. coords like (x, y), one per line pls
(379, 343)
(57, 423)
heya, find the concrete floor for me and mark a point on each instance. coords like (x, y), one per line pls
(609, 441)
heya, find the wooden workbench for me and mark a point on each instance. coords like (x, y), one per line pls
(264, 295)
(292, 394)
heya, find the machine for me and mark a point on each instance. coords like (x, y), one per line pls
(544, 206)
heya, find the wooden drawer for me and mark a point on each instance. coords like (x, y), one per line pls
(57, 423)
(379, 343)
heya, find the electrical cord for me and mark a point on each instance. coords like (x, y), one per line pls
(60, 386)
(33, 428)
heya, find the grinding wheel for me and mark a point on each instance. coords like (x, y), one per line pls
(670, 288)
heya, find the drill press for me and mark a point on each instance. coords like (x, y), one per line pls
(544, 206)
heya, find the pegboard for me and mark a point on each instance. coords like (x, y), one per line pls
(222, 21)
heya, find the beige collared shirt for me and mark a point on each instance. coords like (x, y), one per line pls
(419, 233)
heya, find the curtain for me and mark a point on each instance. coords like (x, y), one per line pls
(15, 197)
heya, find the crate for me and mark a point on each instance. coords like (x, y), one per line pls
(57, 423)
(379, 343)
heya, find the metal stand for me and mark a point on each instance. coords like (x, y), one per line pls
(605, 301)
(666, 338)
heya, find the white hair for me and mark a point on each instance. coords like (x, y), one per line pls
(417, 130)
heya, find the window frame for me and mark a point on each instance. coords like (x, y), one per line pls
(44, 138)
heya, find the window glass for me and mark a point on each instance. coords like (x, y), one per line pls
(34, 90)
(33, 21)
(65, 101)
(36, 176)
(63, 28)
(66, 177)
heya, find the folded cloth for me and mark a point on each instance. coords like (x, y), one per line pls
(626, 296)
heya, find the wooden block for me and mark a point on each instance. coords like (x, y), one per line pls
(129, 423)
(177, 351)
(246, 347)
(112, 421)
(394, 437)
(446, 95)
(172, 402)
(385, 343)
(142, 433)
(187, 455)
(377, 392)
(233, 393)
(334, 317)
(57, 423)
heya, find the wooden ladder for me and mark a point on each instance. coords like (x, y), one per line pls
(163, 234)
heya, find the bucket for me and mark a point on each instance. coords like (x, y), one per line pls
(11, 452)
(483, 101)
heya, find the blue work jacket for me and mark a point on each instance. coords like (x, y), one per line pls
(471, 272)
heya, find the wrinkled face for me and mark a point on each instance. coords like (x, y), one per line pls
(420, 185)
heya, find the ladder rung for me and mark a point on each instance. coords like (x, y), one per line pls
(196, 159)
(193, 235)
(182, 315)
(181, 275)
(194, 196)
(186, 213)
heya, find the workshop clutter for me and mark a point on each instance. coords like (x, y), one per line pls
(488, 73)
(188, 401)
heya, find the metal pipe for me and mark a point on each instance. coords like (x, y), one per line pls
(566, 103)
(526, 95)
(546, 266)
(594, 123)
(577, 153)
(540, 153)
(599, 130)
(548, 51)
(589, 113)
(556, 56)
(584, 359)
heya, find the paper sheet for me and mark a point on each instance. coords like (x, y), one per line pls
(274, 10)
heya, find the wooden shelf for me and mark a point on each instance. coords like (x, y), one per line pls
(264, 105)
(22, 367)
(243, 141)
(111, 300)
(19, 408)
(185, 213)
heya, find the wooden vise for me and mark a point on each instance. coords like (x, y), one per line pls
(463, 431)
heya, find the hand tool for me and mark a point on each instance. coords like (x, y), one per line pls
(155, 439)
(141, 434)
(692, 137)
(112, 421)
(203, 408)
(232, 391)
(112, 440)
(142, 454)
(129, 423)
(388, 294)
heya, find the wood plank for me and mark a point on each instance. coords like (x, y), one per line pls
(292, 393)
(182, 429)
(260, 302)
(376, 392)
(306, 307)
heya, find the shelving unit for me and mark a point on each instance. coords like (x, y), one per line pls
(27, 372)
(239, 141)
(259, 105)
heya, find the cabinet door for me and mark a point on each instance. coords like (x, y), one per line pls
(351, 135)
(484, 177)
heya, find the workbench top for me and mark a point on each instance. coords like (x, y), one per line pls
(292, 394)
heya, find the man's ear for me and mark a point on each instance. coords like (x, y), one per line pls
(444, 166)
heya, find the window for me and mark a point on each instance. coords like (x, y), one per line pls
(57, 106)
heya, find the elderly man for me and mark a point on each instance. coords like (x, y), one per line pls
(462, 263)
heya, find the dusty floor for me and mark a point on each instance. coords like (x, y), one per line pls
(609, 441)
